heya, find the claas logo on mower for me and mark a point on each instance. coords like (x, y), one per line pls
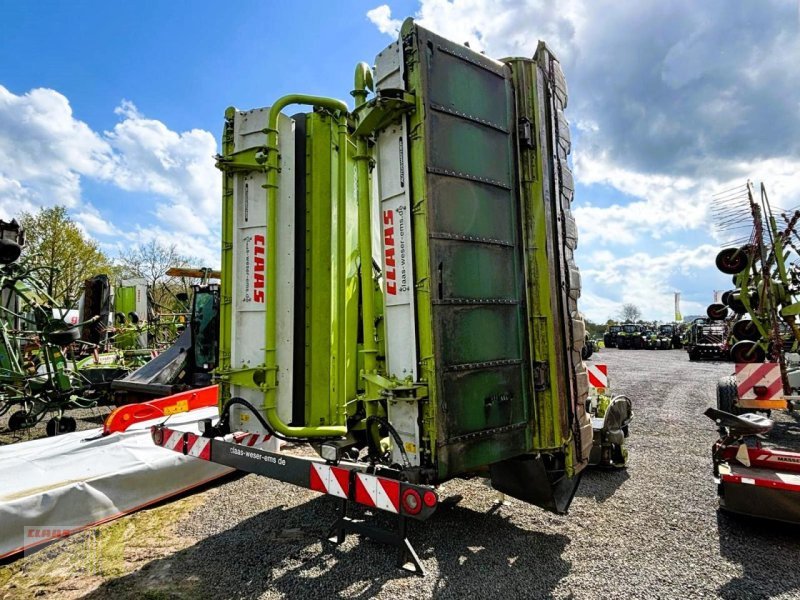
(258, 268)
(388, 252)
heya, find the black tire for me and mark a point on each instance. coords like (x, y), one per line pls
(735, 304)
(718, 312)
(17, 420)
(747, 351)
(745, 329)
(732, 261)
(726, 296)
(693, 355)
(64, 337)
(728, 396)
(57, 426)
(9, 251)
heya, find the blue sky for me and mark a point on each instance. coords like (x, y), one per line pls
(115, 110)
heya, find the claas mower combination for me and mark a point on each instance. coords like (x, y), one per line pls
(399, 287)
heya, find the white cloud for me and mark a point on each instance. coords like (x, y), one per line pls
(175, 166)
(44, 150)
(381, 17)
(93, 223)
(643, 279)
(45, 153)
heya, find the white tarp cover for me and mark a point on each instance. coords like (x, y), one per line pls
(73, 481)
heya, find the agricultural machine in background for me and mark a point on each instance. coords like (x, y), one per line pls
(757, 459)
(49, 366)
(630, 337)
(440, 336)
(189, 361)
(707, 339)
(39, 374)
(610, 336)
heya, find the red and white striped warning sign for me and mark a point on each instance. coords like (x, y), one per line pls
(598, 375)
(264, 441)
(378, 492)
(172, 440)
(199, 446)
(253, 439)
(764, 376)
(330, 480)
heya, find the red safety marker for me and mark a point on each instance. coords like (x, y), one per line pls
(378, 492)
(598, 375)
(334, 481)
(759, 381)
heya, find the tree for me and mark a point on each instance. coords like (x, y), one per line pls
(630, 312)
(55, 244)
(150, 262)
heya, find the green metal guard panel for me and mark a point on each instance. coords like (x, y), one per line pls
(479, 211)
(476, 279)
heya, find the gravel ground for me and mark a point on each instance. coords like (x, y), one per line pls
(651, 531)
(87, 418)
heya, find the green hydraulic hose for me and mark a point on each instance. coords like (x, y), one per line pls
(270, 383)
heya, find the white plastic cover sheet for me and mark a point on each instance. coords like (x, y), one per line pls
(79, 479)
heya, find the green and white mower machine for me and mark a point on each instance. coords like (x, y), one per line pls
(399, 287)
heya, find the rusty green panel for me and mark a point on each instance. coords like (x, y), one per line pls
(455, 71)
(479, 389)
(474, 335)
(475, 271)
(467, 148)
(479, 211)
(476, 278)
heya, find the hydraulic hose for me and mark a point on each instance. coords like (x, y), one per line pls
(224, 417)
(393, 432)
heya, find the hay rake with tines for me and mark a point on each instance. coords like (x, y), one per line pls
(766, 281)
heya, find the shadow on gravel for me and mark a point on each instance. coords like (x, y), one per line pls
(466, 553)
(601, 484)
(767, 552)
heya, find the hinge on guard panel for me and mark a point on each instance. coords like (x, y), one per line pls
(250, 159)
(249, 377)
(526, 133)
(387, 107)
(541, 376)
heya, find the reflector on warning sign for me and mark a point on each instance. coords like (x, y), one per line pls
(759, 381)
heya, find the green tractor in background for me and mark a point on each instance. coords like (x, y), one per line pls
(630, 338)
(650, 339)
(610, 336)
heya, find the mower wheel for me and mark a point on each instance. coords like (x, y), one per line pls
(17, 420)
(64, 337)
(747, 351)
(63, 425)
(736, 305)
(732, 260)
(717, 311)
(725, 296)
(727, 395)
(745, 329)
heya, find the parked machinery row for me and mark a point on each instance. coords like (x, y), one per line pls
(643, 336)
